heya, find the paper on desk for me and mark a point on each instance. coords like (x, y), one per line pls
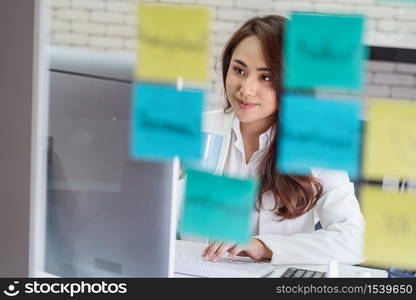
(173, 41)
(327, 59)
(390, 139)
(217, 206)
(319, 133)
(165, 122)
(390, 238)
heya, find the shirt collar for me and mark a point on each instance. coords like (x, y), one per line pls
(263, 138)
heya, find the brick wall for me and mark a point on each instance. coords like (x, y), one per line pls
(395, 80)
(109, 25)
(384, 79)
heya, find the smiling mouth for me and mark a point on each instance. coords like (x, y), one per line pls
(245, 105)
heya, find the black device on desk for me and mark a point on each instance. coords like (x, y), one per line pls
(302, 273)
(400, 273)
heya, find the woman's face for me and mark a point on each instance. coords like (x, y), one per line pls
(248, 83)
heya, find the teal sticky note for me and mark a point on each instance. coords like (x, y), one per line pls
(217, 206)
(324, 51)
(165, 122)
(319, 133)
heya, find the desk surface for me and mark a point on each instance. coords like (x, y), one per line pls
(344, 270)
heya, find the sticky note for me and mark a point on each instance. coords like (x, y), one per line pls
(165, 122)
(217, 206)
(390, 139)
(173, 41)
(390, 236)
(319, 133)
(324, 51)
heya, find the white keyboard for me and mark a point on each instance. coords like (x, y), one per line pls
(193, 264)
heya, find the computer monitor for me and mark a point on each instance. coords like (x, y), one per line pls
(107, 215)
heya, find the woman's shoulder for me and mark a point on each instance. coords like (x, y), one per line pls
(331, 178)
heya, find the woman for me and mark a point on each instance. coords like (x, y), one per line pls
(288, 206)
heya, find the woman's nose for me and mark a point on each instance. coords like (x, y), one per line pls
(248, 87)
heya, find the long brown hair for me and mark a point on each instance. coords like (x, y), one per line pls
(294, 195)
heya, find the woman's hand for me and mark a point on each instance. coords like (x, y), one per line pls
(256, 249)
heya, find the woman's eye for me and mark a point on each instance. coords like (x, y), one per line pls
(266, 78)
(238, 70)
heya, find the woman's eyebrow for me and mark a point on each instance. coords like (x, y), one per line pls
(258, 69)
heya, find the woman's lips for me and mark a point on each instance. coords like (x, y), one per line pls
(245, 105)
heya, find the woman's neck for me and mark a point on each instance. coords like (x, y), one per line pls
(250, 133)
(256, 128)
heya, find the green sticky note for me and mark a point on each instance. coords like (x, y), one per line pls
(319, 133)
(217, 206)
(324, 51)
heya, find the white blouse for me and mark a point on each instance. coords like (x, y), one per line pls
(236, 166)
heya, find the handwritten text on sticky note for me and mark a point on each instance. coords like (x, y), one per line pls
(172, 42)
(217, 206)
(165, 122)
(319, 133)
(317, 56)
(390, 238)
(390, 139)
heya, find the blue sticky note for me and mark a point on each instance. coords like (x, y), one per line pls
(319, 133)
(217, 206)
(165, 122)
(324, 51)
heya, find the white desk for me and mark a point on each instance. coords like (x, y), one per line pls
(343, 270)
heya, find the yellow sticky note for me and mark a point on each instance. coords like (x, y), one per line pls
(172, 42)
(390, 139)
(390, 238)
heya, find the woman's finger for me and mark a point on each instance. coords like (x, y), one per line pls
(211, 249)
(204, 252)
(221, 250)
(236, 250)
